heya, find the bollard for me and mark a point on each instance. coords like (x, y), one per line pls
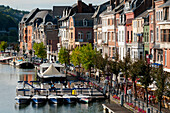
(148, 110)
(143, 107)
(138, 104)
(156, 111)
(130, 96)
(121, 100)
(152, 110)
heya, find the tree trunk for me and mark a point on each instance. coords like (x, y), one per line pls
(117, 86)
(99, 76)
(146, 96)
(79, 71)
(126, 89)
(134, 90)
(160, 106)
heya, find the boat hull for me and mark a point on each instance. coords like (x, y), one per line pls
(39, 100)
(69, 100)
(55, 100)
(85, 100)
(22, 101)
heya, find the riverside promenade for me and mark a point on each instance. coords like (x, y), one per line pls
(130, 105)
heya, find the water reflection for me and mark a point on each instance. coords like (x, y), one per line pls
(8, 82)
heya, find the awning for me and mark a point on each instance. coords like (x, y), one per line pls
(52, 72)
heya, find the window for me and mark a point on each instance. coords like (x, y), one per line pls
(128, 36)
(123, 36)
(158, 55)
(113, 37)
(165, 58)
(108, 21)
(88, 35)
(151, 36)
(119, 35)
(80, 35)
(84, 22)
(109, 51)
(71, 35)
(157, 34)
(113, 51)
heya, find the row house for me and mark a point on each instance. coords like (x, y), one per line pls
(39, 26)
(76, 25)
(97, 28)
(108, 39)
(162, 16)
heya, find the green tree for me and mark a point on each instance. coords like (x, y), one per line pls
(135, 71)
(87, 57)
(146, 76)
(3, 46)
(161, 78)
(40, 50)
(64, 57)
(115, 68)
(98, 62)
(125, 68)
(75, 57)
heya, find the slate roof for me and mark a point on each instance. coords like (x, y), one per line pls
(100, 9)
(40, 14)
(58, 10)
(81, 16)
(144, 14)
(167, 4)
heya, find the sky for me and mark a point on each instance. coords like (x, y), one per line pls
(28, 5)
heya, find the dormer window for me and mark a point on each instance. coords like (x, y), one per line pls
(84, 22)
(127, 5)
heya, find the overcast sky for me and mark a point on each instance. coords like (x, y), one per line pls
(31, 4)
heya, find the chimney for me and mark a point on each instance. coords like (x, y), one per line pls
(79, 6)
(90, 5)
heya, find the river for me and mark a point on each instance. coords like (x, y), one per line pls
(8, 82)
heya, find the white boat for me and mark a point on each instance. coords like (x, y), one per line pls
(22, 99)
(84, 98)
(55, 99)
(69, 99)
(49, 70)
(39, 99)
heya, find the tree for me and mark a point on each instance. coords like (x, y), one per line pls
(3, 46)
(64, 57)
(161, 78)
(40, 50)
(146, 76)
(98, 62)
(135, 71)
(125, 68)
(115, 68)
(75, 57)
(87, 57)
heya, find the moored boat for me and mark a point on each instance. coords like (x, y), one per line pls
(69, 99)
(39, 99)
(55, 99)
(22, 99)
(84, 98)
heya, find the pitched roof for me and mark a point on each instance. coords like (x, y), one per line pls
(100, 9)
(167, 4)
(58, 10)
(144, 14)
(40, 14)
(81, 16)
(52, 72)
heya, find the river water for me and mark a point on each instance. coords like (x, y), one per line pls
(8, 82)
